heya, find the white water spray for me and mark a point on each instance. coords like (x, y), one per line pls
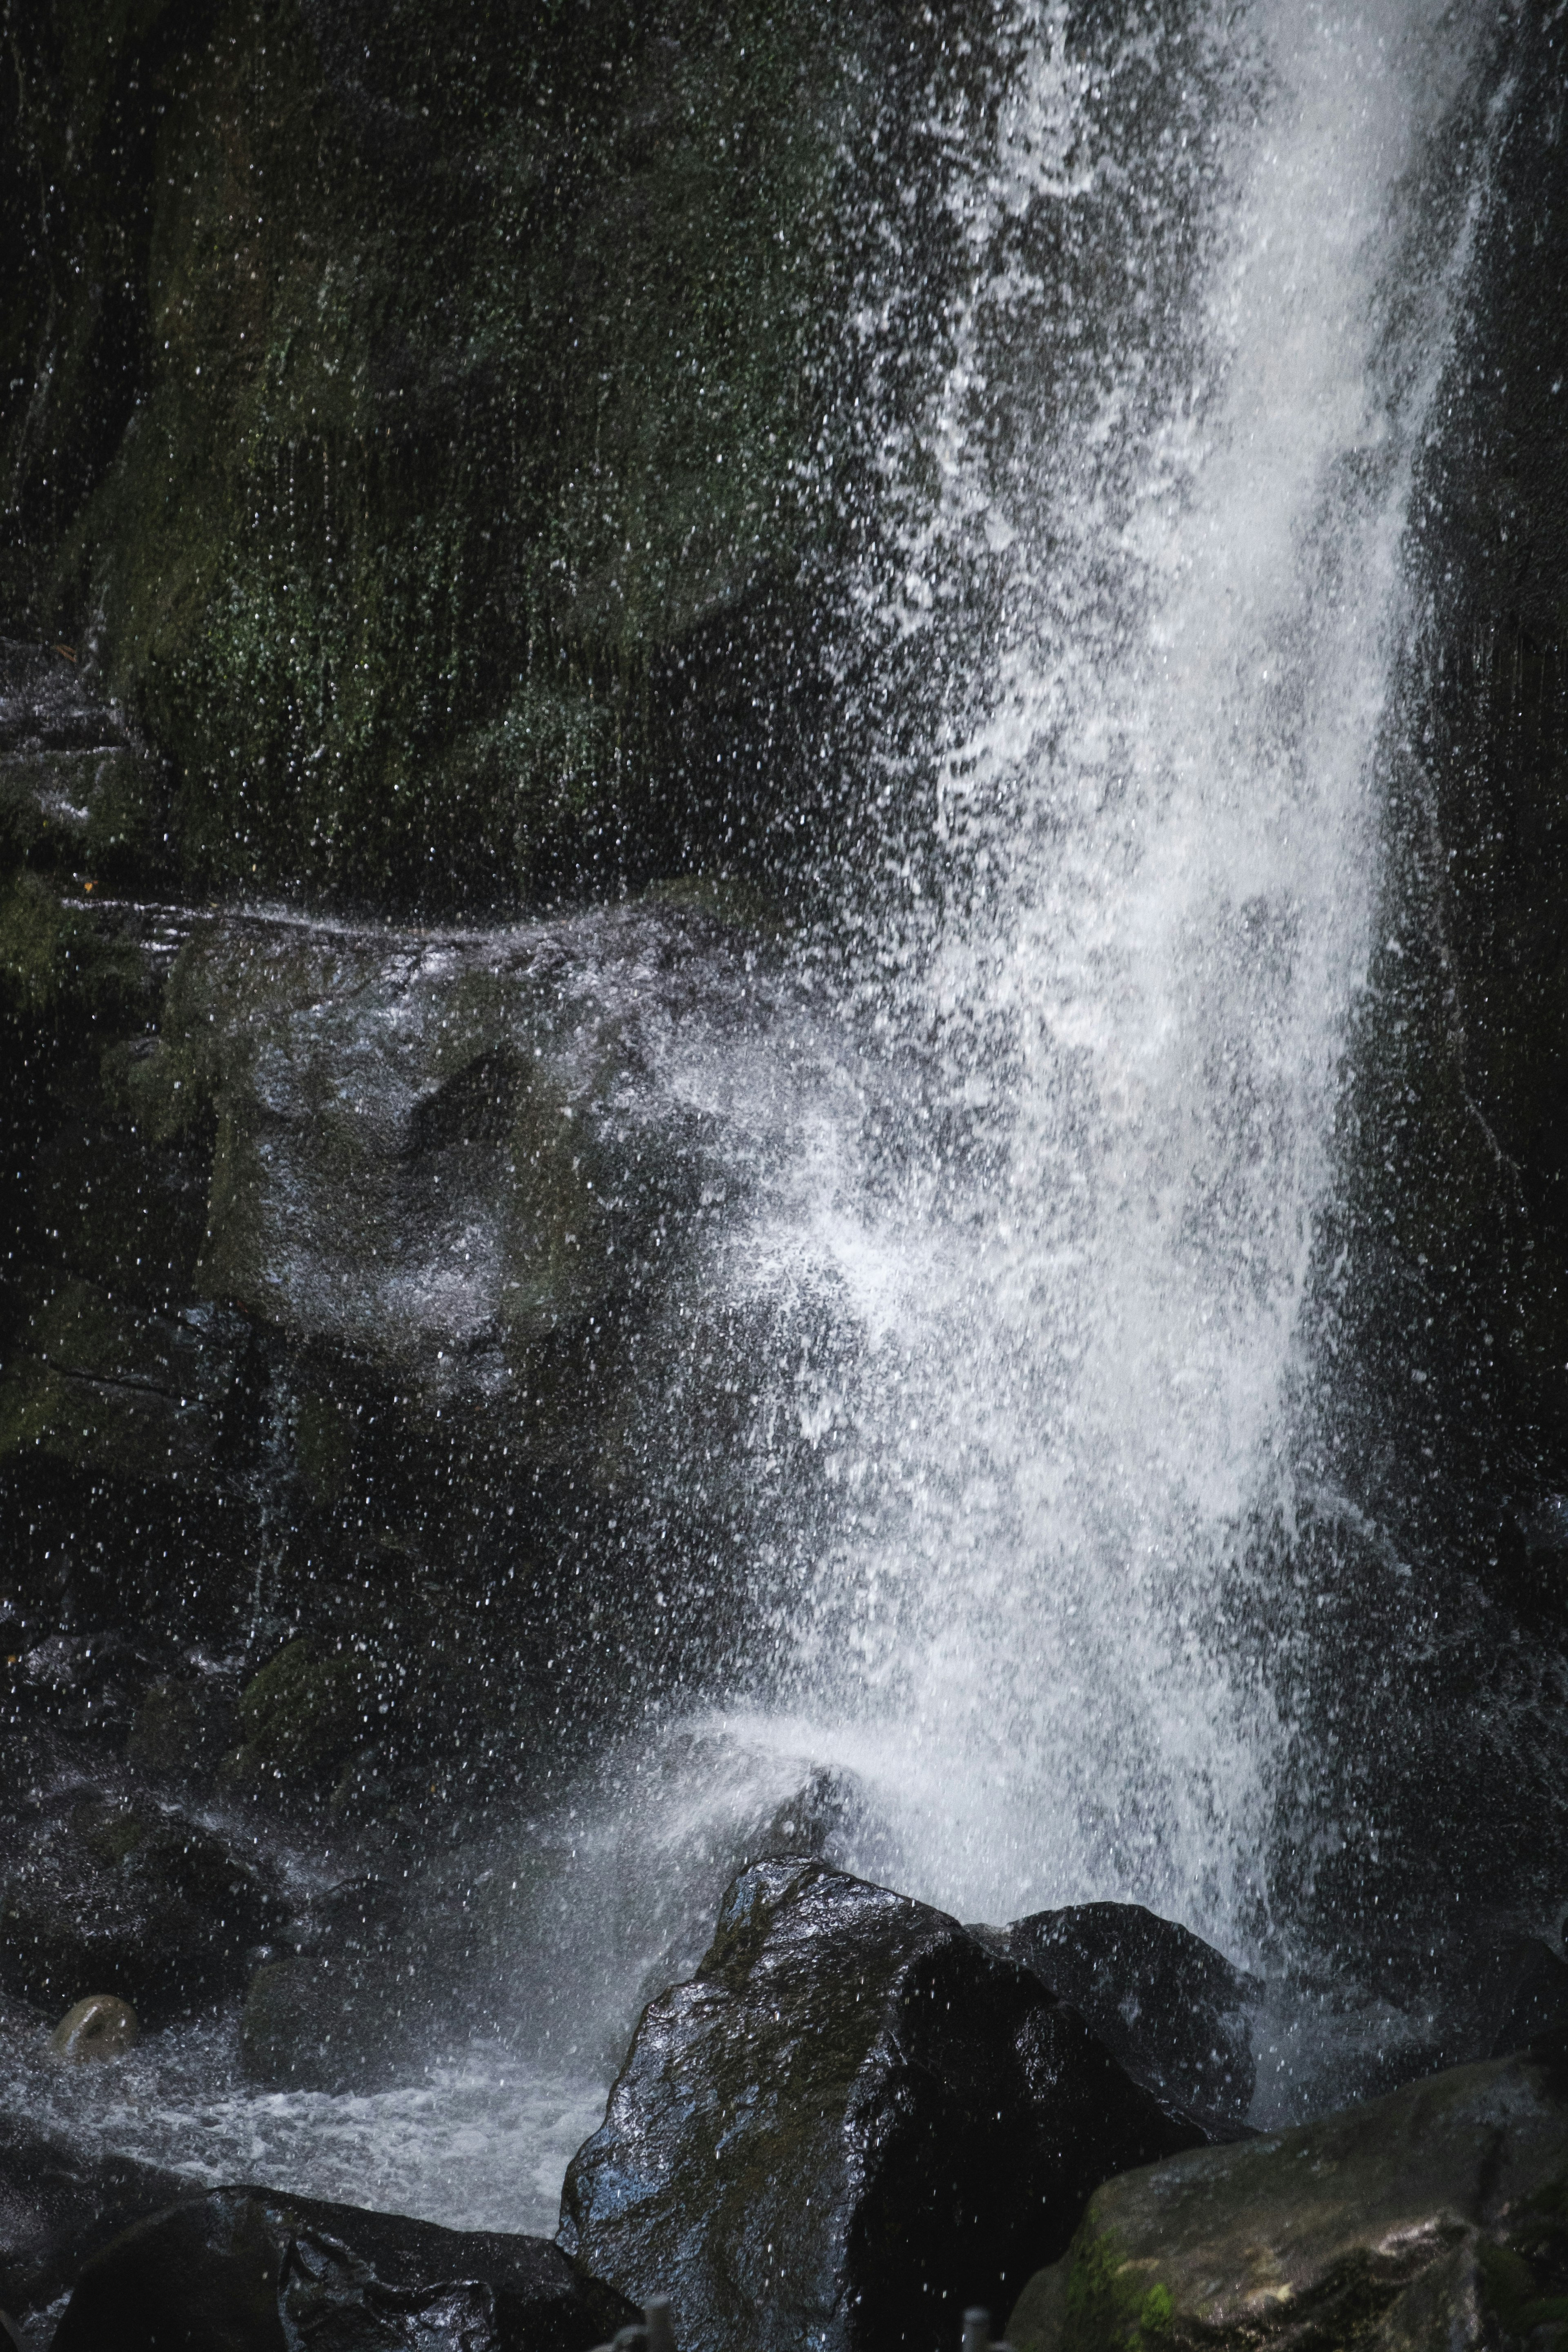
(1032, 1634)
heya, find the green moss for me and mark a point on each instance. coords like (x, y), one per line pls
(1106, 2298)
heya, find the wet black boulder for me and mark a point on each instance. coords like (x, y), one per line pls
(856, 2118)
(57, 2205)
(1173, 2012)
(249, 2270)
(132, 1900)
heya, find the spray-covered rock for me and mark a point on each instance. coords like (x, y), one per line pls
(1168, 2007)
(855, 2119)
(126, 1899)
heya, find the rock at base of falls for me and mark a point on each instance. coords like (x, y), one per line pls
(856, 2119)
(59, 2205)
(251, 2269)
(1168, 2007)
(129, 1899)
(312, 2022)
(1435, 2216)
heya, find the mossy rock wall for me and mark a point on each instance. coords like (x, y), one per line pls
(425, 426)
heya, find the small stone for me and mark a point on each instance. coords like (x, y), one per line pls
(101, 2026)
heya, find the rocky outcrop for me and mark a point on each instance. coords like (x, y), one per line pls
(347, 1261)
(59, 2206)
(248, 2268)
(856, 2119)
(1435, 2216)
(125, 1899)
(1169, 2008)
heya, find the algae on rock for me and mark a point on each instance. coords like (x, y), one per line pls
(1438, 2214)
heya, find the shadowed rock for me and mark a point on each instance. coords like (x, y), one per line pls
(59, 2205)
(247, 2270)
(126, 1899)
(1168, 2007)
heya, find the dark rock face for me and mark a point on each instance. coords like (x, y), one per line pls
(341, 1257)
(1522, 1994)
(59, 2206)
(1167, 2006)
(75, 787)
(855, 2119)
(244, 2270)
(122, 1898)
(1434, 2217)
(434, 433)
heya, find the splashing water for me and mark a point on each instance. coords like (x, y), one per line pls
(1031, 1630)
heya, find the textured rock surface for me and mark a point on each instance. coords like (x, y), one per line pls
(121, 1898)
(421, 419)
(1437, 2216)
(248, 2271)
(854, 2120)
(344, 1260)
(1167, 2006)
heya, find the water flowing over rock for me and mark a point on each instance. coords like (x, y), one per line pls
(854, 2119)
(781, 1007)
(1434, 2216)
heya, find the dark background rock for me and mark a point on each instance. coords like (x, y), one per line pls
(854, 2120)
(122, 1898)
(1170, 2009)
(248, 2269)
(340, 2022)
(520, 357)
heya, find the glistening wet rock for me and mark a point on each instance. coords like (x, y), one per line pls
(97, 2027)
(856, 2119)
(249, 2270)
(1168, 2007)
(126, 1899)
(59, 2205)
(1437, 2216)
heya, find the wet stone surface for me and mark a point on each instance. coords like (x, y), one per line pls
(248, 2268)
(854, 2105)
(1435, 2216)
(1168, 2007)
(124, 1897)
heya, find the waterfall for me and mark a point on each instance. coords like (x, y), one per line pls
(978, 1417)
(1075, 1244)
